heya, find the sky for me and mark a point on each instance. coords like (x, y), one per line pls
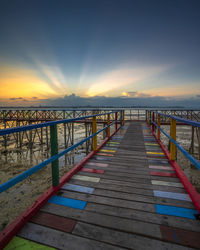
(108, 52)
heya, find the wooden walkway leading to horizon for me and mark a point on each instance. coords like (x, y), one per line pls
(127, 196)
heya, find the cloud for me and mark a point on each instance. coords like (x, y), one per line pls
(140, 100)
(121, 78)
(135, 94)
(102, 101)
(17, 98)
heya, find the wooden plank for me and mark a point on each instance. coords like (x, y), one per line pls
(172, 195)
(78, 188)
(133, 174)
(122, 239)
(107, 150)
(20, 243)
(113, 142)
(105, 154)
(115, 177)
(157, 162)
(165, 183)
(124, 196)
(155, 153)
(118, 223)
(163, 174)
(97, 164)
(176, 211)
(85, 178)
(143, 186)
(164, 178)
(151, 144)
(101, 158)
(181, 236)
(110, 201)
(161, 167)
(67, 202)
(91, 170)
(54, 221)
(115, 187)
(61, 240)
(144, 216)
(118, 169)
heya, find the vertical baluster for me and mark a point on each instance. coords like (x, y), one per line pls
(94, 130)
(116, 121)
(173, 136)
(54, 151)
(158, 122)
(108, 122)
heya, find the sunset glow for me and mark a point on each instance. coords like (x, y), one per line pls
(124, 49)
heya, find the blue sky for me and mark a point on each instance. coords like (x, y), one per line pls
(128, 49)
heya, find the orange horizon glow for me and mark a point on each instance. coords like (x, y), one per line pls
(25, 83)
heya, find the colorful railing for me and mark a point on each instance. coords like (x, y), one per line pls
(54, 145)
(153, 120)
(57, 182)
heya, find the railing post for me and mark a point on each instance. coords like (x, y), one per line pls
(116, 121)
(158, 130)
(123, 119)
(108, 123)
(153, 120)
(173, 136)
(148, 122)
(54, 151)
(149, 118)
(94, 130)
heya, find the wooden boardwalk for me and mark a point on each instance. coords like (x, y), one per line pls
(126, 197)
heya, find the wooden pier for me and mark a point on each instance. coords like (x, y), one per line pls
(127, 196)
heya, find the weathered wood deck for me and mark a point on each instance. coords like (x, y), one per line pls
(125, 197)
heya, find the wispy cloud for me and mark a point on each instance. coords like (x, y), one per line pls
(122, 78)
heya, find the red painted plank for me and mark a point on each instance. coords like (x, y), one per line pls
(91, 170)
(180, 236)
(9, 232)
(54, 221)
(194, 195)
(163, 174)
(104, 154)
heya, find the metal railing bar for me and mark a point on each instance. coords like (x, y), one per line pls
(8, 184)
(187, 155)
(46, 124)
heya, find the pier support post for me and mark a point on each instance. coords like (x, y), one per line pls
(94, 130)
(54, 151)
(173, 136)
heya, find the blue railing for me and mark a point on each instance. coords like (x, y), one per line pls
(8, 184)
(172, 138)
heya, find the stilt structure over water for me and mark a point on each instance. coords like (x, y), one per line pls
(128, 193)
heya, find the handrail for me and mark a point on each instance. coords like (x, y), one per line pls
(54, 145)
(46, 124)
(187, 155)
(8, 184)
(186, 121)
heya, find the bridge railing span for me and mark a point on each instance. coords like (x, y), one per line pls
(25, 115)
(154, 121)
(54, 144)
